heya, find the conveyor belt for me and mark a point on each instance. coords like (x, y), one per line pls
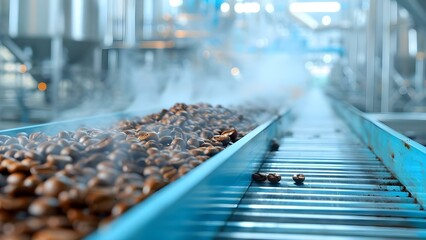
(348, 192)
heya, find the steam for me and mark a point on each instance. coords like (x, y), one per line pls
(247, 66)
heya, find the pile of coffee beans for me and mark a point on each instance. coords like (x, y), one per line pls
(67, 185)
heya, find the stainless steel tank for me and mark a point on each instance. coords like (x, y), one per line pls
(38, 19)
(4, 17)
(83, 19)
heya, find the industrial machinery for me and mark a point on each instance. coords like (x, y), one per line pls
(363, 180)
(342, 84)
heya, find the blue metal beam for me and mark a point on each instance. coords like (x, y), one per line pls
(405, 158)
(183, 202)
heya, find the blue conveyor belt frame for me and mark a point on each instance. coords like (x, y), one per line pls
(209, 201)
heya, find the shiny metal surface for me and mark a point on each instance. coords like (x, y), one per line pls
(4, 17)
(404, 157)
(348, 193)
(38, 19)
(412, 125)
(82, 19)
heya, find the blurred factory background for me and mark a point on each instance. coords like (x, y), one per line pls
(71, 58)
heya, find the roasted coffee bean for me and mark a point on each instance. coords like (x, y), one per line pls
(184, 169)
(44, 206)
(298, 178)
(97, 182)
(3, 149)
(109, 175)
(274, 145)
(102, 146)
(14, 204)
(166, 140)
(54, 185)
(137, 147)
(151, 170)
(27, 226)
(38, 136)
(30, 163)
(17, 190)
(33, 155)
(127, 178)
(152, 151)
(10, 153)
(63, 143)
(152, 184)
(211, 151)
(11, 141)
(178, 142)
(5, 216)
(92, 160)
(151, 144)
(118, 156)
(64, 135)
(132, 168)
(274, 178)
(56, 234)
(194, 162)
(73, 198)
(81, 215)
(16, 167)
(103, 206)
(224, 139)
(193, 142)
(59, 161)
(165, 169)
(176, 162)
(72, 152)
(4, 138)
(7, 161)
(18, 228)
(165, 133)
(84, 138)
(170, 174)
(58, 221)
(231, 133)
(197, 152)
(31, 146)
(85, 227)
(53, 149)
(32, 181)
(146, 136)
(106, 165)
(119, 209)
(16, 178)
(258, 177)
(43, 171)
(19, 155)
(206, 134)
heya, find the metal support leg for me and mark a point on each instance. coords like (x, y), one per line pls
(56, 59)
(386, 56)
(371, 50)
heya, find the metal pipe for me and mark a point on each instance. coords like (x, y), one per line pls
(371, 55)
(130, 31)
(386, 56)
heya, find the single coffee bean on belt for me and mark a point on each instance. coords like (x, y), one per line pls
(274, 145)
(274, 178)
(258, 177)
(298, 178)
